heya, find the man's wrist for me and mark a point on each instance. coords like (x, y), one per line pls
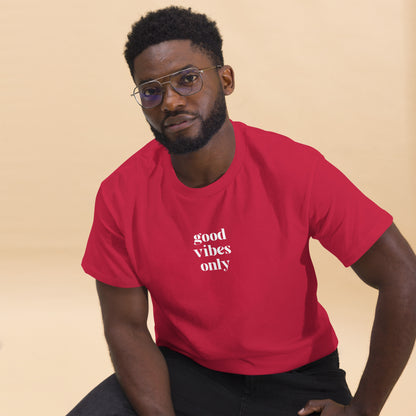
(360, 408)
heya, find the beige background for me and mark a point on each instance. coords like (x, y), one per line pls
(338, 75)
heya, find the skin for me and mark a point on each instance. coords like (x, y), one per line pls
(389, 266)
(202, 167)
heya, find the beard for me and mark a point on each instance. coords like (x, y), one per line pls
(183, 144)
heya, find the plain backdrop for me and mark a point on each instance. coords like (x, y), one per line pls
(337, 75)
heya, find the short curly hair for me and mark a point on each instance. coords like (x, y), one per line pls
(172, 23)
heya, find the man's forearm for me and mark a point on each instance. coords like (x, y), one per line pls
(392, 340)
(391, 343)
(142, 372)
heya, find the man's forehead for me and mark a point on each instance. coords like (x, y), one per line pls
(167, 57)
(167, 75)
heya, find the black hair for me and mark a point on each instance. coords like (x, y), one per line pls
(173, 23)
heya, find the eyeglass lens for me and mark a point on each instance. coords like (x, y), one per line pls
(186, 82)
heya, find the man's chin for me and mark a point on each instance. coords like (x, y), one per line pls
(181, 144)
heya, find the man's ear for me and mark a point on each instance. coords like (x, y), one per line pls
(227, 79)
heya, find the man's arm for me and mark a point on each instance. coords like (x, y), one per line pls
(139, 365)
(390, 267)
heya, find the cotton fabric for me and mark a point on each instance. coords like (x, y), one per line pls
(228, 265)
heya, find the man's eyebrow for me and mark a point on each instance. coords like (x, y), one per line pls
(164, 76)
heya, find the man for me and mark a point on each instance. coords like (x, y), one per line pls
(213, 218)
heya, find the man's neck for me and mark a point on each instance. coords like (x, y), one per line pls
(206, 165)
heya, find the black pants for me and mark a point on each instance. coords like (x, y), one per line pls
(199, 391)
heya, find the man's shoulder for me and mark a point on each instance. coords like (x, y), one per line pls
(137, 167)
(275, 146)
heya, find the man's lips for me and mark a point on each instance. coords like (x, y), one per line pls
(179, 122)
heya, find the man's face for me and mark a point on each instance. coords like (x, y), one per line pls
(182, 124)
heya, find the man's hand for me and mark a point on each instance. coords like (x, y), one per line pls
(327, 408)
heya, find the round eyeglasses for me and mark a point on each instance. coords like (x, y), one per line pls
(185, 82)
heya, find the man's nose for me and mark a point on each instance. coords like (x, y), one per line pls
(171, 99)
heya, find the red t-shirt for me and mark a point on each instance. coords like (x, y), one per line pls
(228, 265)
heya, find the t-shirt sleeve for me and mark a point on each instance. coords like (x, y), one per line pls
(342, 218)
(106, 257)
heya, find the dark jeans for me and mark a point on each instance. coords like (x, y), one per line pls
(199, 391)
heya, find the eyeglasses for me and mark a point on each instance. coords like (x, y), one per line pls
(185, 82)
